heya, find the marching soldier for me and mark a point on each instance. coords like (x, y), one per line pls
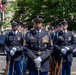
(55, 63)
(23, 30)
(38, 48)
(57, 53)
(51, 32)
(14, 48)
(69, 43)
(64, 45)
(51, 29)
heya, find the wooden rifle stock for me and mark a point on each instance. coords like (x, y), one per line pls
(59, 68)
(7, 67)
(54, 67)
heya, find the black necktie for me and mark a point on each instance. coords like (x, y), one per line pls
(38, 32)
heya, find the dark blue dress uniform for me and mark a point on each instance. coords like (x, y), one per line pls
(66, 40)
(16, 41)
(56, 52)
(38, 45)
(56, 56)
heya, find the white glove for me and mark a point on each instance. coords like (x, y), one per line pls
(67, 48)
(38, 65)
(12, 52)
(63, 51)
(38, 62)
(14, 49)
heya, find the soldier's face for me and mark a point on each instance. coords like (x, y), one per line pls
(52, 30)
(61, 28)
(19, 28)
(38, 25)
(14, 28)
(65, 27)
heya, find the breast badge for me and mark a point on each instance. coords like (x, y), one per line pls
(45, 39)
(69, 38)
(32, 38)
(18, 38)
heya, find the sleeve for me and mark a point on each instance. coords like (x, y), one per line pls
(48, 51)
(27, 49)
(73, 45)
(6, 43)
(56, 46)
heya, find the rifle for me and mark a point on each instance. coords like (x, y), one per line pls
(59, 68)
(38, 69)
(53, 66)
(7, 67)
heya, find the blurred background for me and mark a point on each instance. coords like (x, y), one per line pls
(24, 10)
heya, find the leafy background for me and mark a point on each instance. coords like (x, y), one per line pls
(53, 11)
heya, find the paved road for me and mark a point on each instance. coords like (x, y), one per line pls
(3, 64)
(74, 66)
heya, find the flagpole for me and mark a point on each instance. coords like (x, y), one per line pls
(2, 16)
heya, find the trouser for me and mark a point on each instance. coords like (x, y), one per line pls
(15, 68)
(24, 61)
(36, 73)
(66, 68)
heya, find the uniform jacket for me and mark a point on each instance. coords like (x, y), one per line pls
(38, 45)
(11, 41)
(66, 39)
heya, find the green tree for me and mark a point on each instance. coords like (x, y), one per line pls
(8, 13)
(53, 10)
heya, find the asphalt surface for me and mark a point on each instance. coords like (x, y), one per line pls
(3, 65)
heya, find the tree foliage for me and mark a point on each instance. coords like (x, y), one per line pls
(53, 10)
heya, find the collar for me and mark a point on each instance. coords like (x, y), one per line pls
(65, 31)
(38, 30)
(15, 32)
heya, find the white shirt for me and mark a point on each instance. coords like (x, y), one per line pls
(38, 31)
(65, 31)
(15, 32)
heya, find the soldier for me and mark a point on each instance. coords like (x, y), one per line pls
(69, 42)
(55, 66)
(24, 30)
(38, 48)
(57, 54)
(51, 29)
(14, 48)
(64, 45)
(52, 34)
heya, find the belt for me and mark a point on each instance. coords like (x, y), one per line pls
(64, 46)
(38, 52)
(14, 46)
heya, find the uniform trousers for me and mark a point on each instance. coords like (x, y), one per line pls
(66, 68)
(15, 68)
